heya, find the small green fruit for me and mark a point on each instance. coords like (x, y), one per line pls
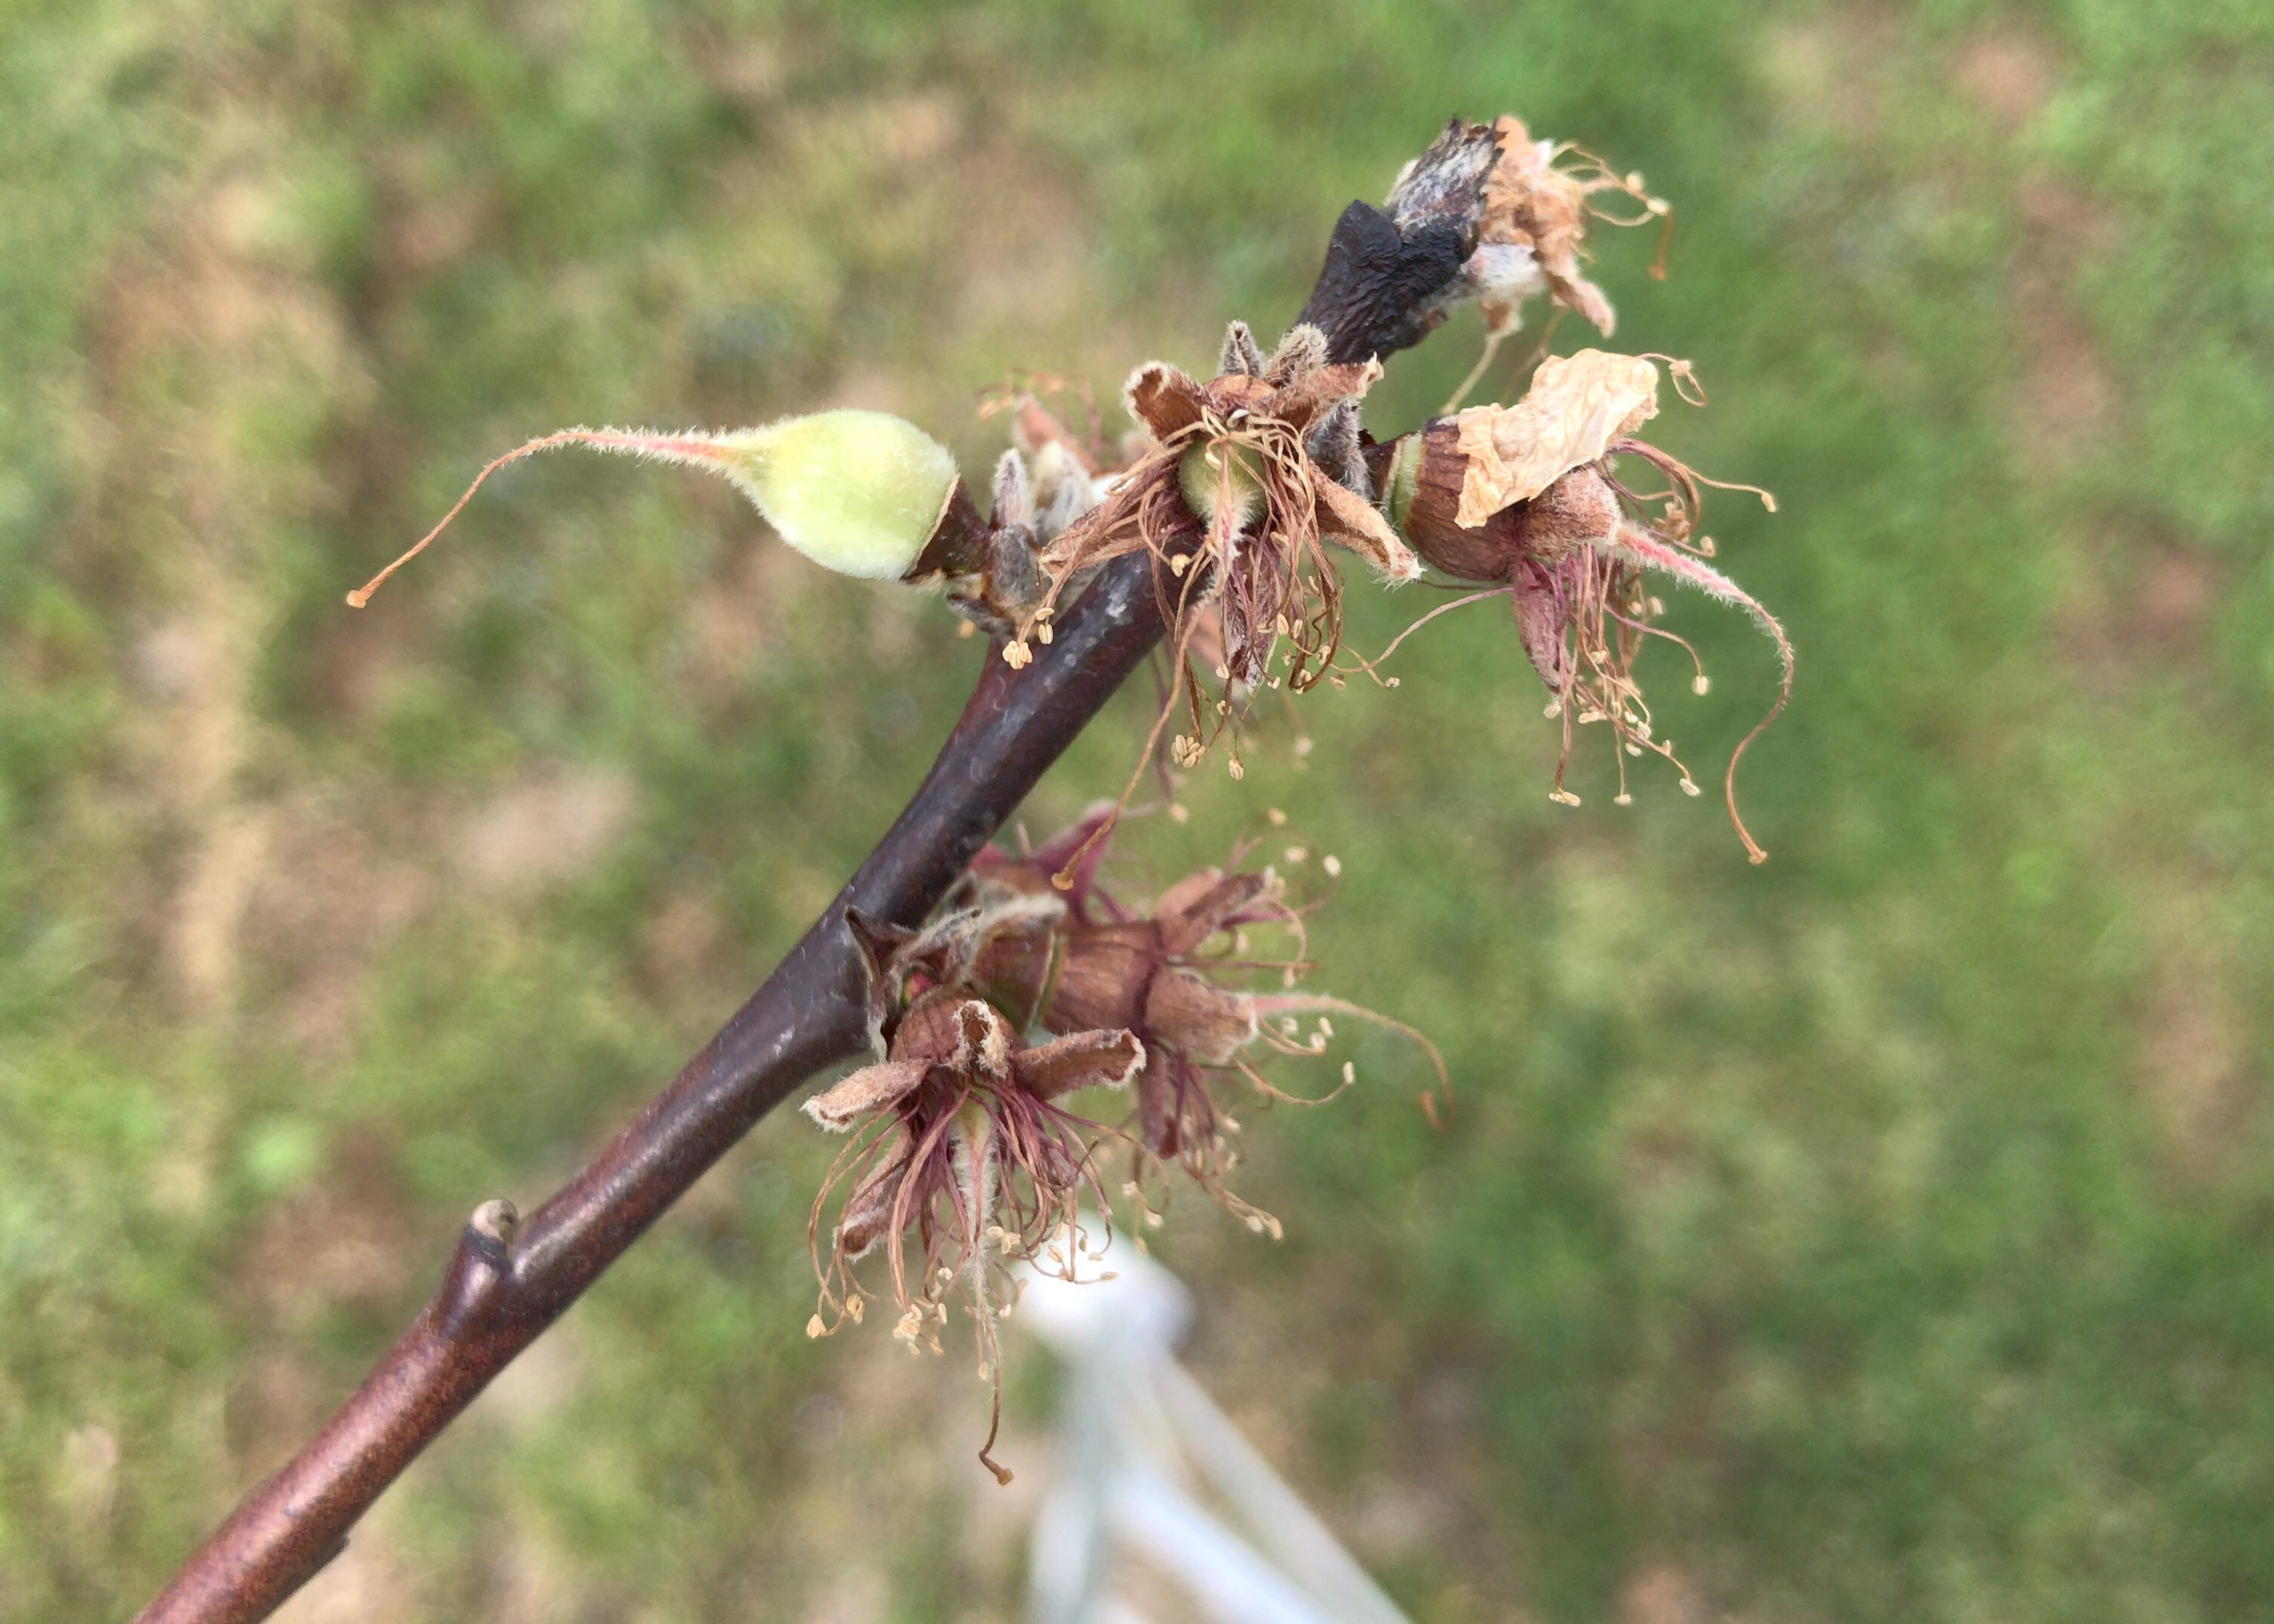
(1208, 474)
(860, 493)
(856, 492)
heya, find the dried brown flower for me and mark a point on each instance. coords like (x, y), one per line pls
(1530, 203)
(1533, 231)
(1528, 497)
(961, 1142)
(1244, 481)
(1080, 958)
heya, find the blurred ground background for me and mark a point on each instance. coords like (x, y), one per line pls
(1884, 1234)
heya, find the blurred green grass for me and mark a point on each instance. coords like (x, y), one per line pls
(1882, 1234)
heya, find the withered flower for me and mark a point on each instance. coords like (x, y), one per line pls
(1527, 497)
(1527, 204)
(1245, 479)
(961, 1140)
(1538, 203)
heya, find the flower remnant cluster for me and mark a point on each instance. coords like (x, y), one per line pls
(969, 1151)
(1528, 205)
(1243, 488)
(961, 1142)
(972, 1142)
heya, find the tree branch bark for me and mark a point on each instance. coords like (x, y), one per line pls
(506, 1281)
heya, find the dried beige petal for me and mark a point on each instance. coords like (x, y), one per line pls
(1577, 407)
(1531, 203)
(1348, 518)
(866, 1092)
(1162, 398)
(1080, 1060)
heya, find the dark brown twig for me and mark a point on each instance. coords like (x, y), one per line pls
(508, 1281)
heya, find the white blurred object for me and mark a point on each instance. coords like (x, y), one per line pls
(1137, 1435)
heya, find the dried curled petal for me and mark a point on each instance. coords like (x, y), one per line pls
(1578, 408)
(846, 1104)
(1078, 1061)
(1348, 518)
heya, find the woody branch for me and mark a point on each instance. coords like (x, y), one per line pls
(1381, 288)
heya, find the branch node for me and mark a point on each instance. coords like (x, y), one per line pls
(480, 1269)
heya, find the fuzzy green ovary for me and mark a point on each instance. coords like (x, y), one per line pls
(1200, 475)
(856, 492)
(1404, 480)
